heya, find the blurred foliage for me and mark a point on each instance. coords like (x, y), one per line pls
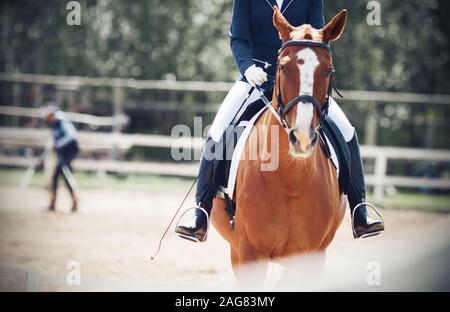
(146, 39)
(409, 51)
(154, 39)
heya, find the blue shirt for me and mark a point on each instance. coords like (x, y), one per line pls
(253, 35)
(63, 131)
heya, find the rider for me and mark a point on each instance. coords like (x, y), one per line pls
(255, 43)
(65, 145)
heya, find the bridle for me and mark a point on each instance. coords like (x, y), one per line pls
(322, 110)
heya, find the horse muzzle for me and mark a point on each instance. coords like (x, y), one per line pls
(302, 145)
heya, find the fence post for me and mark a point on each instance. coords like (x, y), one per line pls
(85, 97)
(16, 102)
(118, 101)
(37, 95)
(371, 125)
(380, 175)
(59, 97)
(429, 132)
(72, 99)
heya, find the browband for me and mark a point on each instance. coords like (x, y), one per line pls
(305, 42)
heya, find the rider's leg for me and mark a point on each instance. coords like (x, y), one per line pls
(196, 229)
(363, 225)
(230, 106)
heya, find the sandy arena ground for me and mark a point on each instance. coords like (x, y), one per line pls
(115, 233)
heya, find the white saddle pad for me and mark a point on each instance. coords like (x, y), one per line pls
(229, 189)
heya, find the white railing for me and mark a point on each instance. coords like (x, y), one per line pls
(206, 86)
(115, 141)
(379, 179)
(92, 120)
(119, 87)
(382, 154)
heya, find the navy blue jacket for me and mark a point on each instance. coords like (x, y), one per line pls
(253, 35)
(64, 131)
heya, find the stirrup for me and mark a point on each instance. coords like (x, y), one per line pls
(353, 222)
(193, 238)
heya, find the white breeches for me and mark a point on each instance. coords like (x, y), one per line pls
(236, 96)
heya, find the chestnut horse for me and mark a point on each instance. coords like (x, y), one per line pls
(297, 208)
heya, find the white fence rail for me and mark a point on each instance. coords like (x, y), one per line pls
(382, 155)
(205, 86)
(379, 179)
(116, 141)
(119, 86)
(92, 120)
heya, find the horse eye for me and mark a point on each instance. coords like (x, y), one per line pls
(283, 69)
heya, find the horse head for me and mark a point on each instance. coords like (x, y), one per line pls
(303, 79)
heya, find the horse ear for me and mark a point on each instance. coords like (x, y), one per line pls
(282, 25)
(333, 30)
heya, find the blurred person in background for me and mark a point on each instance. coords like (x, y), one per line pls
(65, 145)
(255, 42)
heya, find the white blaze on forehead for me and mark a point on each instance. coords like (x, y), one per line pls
(307, 70)
(305, 111)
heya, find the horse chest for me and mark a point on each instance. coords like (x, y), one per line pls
(295, 217)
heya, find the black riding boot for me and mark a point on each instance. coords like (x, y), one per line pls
(196, 229)
(363, 225)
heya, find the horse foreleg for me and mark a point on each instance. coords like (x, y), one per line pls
(250, 270)
(234, 260)
(302, 273)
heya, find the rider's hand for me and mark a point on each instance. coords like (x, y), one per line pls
(255, 75)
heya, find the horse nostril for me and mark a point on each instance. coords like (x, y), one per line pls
(292, 137)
